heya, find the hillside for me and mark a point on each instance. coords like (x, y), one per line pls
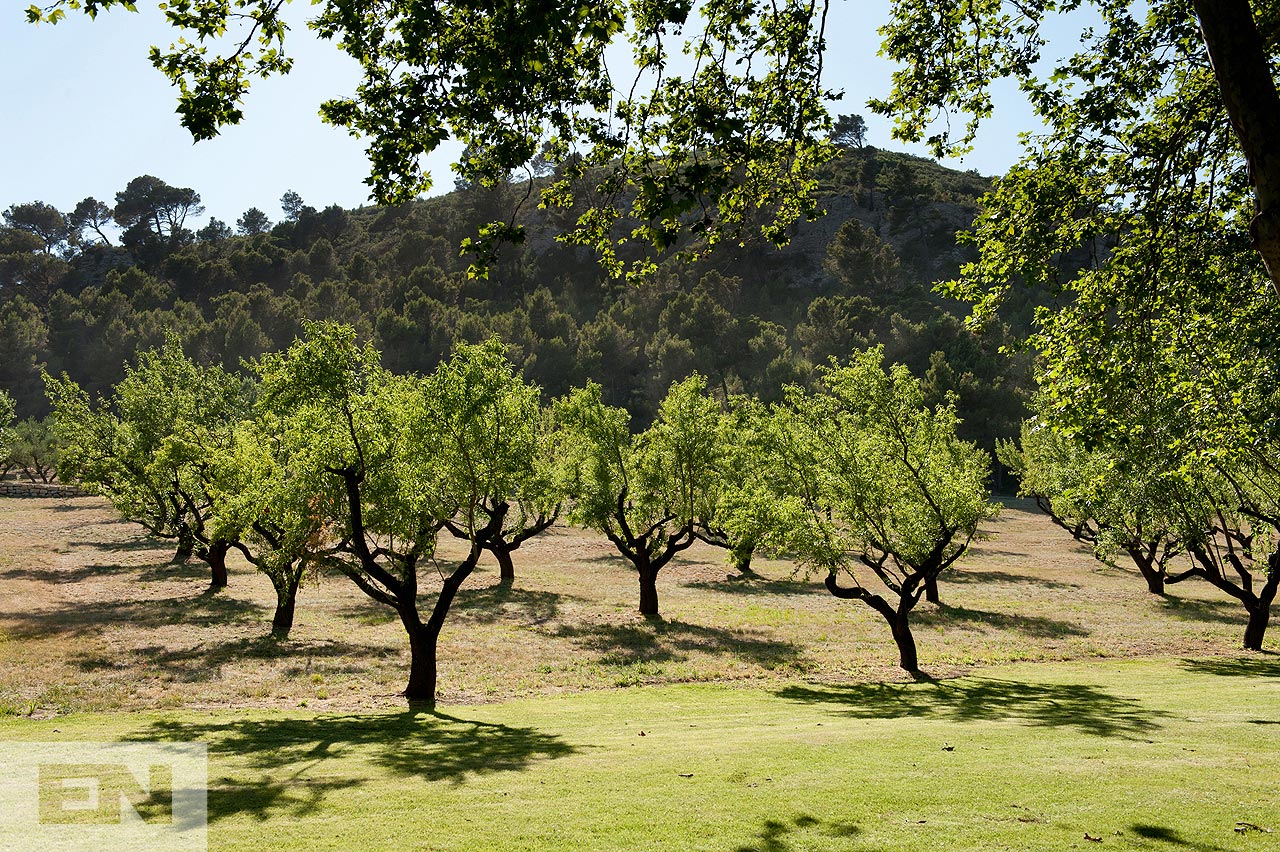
(750, 318)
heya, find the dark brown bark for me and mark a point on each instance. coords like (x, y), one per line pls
(648, 591)
(216, 556)
(898, 618)
(901, 628)
(1154, 576)
(1256, 628)
(1238, 54)
(931, 590)
(422, 659)
(424, 638)
(506, 568)
(286, 601)
(1260, 613)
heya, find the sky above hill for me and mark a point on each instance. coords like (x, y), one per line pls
(84, 113)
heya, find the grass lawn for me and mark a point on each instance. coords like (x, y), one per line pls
(1139, 754)
(1067, 707)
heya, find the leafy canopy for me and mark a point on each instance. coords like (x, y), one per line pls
(717, 121)
(867, 473)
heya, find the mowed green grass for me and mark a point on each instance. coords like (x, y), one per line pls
(1119, 754)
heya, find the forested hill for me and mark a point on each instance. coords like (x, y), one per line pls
(81, 291)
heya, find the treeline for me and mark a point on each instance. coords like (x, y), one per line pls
(82, 291)
(322, 458)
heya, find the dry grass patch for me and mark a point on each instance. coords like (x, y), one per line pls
(94, 617)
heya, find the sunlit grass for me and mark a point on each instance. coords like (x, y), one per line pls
(1126, 754)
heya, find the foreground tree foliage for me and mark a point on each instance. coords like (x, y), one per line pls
(868, 479)
(721, 126)
(643, 492)
(401, 457)
(1167, 113)
(135, 446)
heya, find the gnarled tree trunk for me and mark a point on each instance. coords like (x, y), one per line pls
(506, 568)
(216, 556)
(648, 589)
(286, 600)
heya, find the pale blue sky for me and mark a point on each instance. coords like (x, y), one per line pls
(84, 112)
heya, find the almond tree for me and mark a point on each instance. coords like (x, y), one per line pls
(400, 457)
(133, 446)
(273, 504)
(643, 492)
(870, 483)
(1110, 505)
(532, 515)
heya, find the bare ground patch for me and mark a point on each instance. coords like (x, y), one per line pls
(94, 616)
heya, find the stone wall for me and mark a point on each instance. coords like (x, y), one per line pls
(15, 488)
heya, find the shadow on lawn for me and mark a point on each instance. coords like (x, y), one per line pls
(1085, 708)
(204, 662)
(665, 641)
(1256, 664)
(504, 601)
(1169, 837)
(199, 610)
(983, 576)
(749, 585)
(1030, 625)
(299, 762)
(1190, 609)
(796, 835)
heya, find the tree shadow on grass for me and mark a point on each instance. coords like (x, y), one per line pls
(1256, 664)
(66, 505)
(667, 641)
(749, 585)
(129, 546)
(1084, 708)
(58, 575)
(506, 602)
(203, 662)
(983, 576)
(1029, 625)
(1169, 837)
(1191, 609)
(88, 618)
(299, 762)
(796, 834)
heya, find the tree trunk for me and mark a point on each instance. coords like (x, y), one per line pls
(1259, 617)
(286, 598)
(1148, 569)
(901, 628)
(931, 595)
(422, 660)
(740, 557)
(1238, 54)
(506, 569)
(186, 544)
(648, 591)
(217, 560)
(1260, 613)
